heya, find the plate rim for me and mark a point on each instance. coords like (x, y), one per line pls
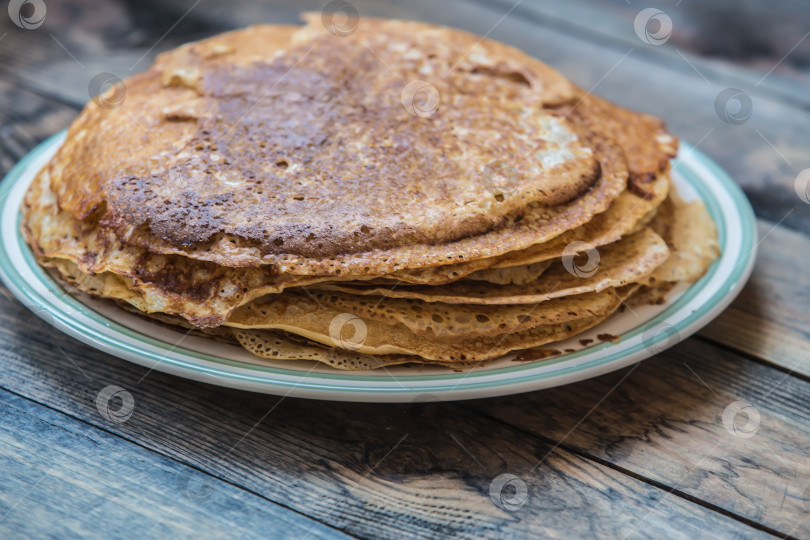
(333, 386)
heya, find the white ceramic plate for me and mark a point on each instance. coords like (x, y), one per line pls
(644, 331)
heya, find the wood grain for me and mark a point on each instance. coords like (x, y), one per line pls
(771, 317)
(369, 470)
(665, 422)
(27, 119)
(118, 489)
(723, 39)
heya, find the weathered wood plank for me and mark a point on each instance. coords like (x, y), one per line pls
(27, 119)
(62, 478)
(755, 44)
(370, 470)
(76, 43)
(672, 421)
(771, 317)
(83, 29)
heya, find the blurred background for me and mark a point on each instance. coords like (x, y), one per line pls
(732, 77)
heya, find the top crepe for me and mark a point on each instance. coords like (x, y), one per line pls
(313, 153)
(432, 193)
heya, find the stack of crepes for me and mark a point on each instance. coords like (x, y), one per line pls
(400, 193)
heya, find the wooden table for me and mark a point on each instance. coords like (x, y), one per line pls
(643, 452)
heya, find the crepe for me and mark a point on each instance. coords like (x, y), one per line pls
(202, 292)
(511, 275)
(406, 193)
(629, 260)
(396, 332)
(392, 328)
(381, 339)
(691, 235)
(629, 213)
(302, 192)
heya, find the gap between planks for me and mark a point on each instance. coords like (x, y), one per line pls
(668, 490)
(183, 463)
